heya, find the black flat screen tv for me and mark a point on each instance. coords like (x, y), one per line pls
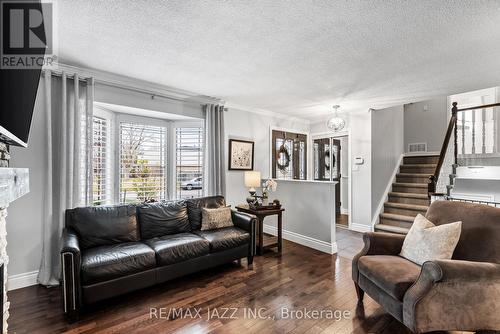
(18, 94)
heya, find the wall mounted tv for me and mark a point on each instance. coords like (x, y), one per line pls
(18, 96)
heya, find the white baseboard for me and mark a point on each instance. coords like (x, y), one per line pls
(360, 228)
(344, 211)
(303, 240)
(22, 280)
(416, 154)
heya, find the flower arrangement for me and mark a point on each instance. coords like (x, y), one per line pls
(269, 185)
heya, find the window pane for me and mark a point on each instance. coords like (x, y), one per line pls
(189, 162)
(142, 163)
(101, 188)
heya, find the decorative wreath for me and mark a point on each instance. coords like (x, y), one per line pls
(327, 160)
(283, 166)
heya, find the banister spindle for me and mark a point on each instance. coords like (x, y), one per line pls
(483, 137)
(494, 136)
(455, 132)
(463, 132)
(473, 131)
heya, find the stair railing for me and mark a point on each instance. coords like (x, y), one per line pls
(452, 129)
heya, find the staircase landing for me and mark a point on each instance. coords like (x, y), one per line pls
(409, 194)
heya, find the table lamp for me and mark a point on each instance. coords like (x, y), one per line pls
(252, 180)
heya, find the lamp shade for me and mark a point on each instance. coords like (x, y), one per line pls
(252, 179)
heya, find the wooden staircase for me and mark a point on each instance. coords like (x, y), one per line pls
(409, 195)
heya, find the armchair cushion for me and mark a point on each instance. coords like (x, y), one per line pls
(393, 274)
(107, 262)
(377, 243)
(225, 238)
(179, 247)
(426, 241)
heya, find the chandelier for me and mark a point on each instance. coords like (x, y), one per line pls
(335, 123)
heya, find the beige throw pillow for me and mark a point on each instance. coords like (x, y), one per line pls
(426, 241)
(216, 218)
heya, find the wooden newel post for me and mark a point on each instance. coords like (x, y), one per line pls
(455, 131)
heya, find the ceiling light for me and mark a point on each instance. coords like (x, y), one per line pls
(335, 123)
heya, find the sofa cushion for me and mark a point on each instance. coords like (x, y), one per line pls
(159, 219)
(104, 263)
(104, 225)
(195, 205)
(179, 247)
(225, 238)
(216, 218)
(392, 274)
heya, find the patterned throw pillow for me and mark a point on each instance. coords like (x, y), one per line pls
(216, 218)
(426, 241)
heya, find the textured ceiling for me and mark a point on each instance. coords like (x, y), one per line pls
(295, 57)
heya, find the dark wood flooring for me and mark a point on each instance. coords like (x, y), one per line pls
(300, 278)
(342, 220)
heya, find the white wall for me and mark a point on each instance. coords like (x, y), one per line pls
(387, 147)
(426, 126)
(360, 128)
(240, 124)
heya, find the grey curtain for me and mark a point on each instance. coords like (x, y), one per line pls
(68, 110)
(214, 179)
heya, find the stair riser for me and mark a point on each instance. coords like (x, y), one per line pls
(417, 170)
(405, 212)
(412, 179)
(421, 160)
(409, 200)
(395, 222)
(407, 189)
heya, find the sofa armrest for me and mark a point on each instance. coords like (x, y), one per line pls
(454, 295)
(246, 222)
(377, 243)
(70, 266)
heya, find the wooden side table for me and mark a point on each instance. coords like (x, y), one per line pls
(261, 214)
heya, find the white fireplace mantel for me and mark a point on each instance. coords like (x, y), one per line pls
(14, 183)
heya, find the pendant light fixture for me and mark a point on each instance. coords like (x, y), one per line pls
(335, 123)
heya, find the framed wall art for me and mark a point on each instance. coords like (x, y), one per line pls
(240, 154)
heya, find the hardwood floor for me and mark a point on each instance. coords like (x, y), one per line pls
(301, 278)
(342, 220)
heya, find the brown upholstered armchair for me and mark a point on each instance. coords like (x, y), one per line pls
(458, 294)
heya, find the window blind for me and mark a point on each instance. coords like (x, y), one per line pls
(142, 162)
(101, 187)
(189, 162)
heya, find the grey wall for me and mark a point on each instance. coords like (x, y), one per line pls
(309, 208)
(24, 221)
(426, 126)
(387, 147)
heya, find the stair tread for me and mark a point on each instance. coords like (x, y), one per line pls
(415, 174)
(414, 185)
(395, 216)
(419, 165)
(393, 229)
(406, 206)
(408, 195)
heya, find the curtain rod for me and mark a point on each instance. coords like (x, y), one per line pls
(153, 95)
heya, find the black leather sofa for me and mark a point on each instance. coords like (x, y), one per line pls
(110, 250)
